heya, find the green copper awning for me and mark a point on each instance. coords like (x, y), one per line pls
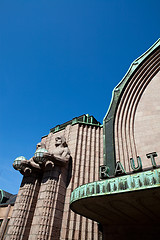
(129, 198)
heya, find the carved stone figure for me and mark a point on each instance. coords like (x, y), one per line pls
(60, 154)
(26, 166)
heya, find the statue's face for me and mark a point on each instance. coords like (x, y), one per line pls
(58, 141)
(38, 145)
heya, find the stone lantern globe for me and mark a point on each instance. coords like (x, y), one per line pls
(17, 162)
(38, 156)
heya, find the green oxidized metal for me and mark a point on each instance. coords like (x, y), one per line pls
(84, 119)
(17, 162)
(127, 183)
(39, 155)
(1, 195)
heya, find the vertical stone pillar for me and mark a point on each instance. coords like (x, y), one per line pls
(23, 211)
(4, 223)
(47, 218)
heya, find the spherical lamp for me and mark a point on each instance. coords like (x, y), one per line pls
(38, 156)
(17, 162)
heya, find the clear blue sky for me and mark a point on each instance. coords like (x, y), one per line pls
(61, 59)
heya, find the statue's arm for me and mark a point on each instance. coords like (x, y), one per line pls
(63, 158)
(66, 154)
(59, 158)
(33, 164)
(26, 166)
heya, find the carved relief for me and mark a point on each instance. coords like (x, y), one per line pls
(47, 213)
(48, 165)
(61, 152)
(26, 166)
(22, 213)
(51, 184)
(42, 158)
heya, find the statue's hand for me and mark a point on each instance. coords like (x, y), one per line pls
(46, 154)
(24, 162)
(33, 164)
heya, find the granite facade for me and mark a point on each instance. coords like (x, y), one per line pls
(42, 208)
(136, 127)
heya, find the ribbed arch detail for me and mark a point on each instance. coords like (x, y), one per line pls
(125, 146)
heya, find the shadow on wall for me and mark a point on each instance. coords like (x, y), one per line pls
(69, 172)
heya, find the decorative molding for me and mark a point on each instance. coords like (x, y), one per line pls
(134, 65)
(109, 119)
(83, 119)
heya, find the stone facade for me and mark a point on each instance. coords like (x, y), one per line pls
(7, 201)
(5, 215)
(127, 198)
(126, 202)
(136, 125)
(42, 208)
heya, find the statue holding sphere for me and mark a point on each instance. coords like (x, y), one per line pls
(42, 157)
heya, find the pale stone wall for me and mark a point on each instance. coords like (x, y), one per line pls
(147, 122)
(20, 222)
(133, 129)
(86, 145)
(42, 207)
(5, 214)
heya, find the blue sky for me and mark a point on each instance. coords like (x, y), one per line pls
(60, 59)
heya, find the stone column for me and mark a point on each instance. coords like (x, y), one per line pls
(4, 223)
(47, 218)
(23, 211)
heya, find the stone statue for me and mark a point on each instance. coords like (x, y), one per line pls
(26, 166)
(59, 156)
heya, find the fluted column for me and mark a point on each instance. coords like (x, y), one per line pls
(23, 211)
(47, 218)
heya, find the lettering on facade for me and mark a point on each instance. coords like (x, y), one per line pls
(119, 169)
